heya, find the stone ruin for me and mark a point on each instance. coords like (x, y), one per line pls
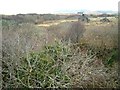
(105, 20)
(82, 17)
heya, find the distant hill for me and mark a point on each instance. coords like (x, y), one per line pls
(98, 12)
(40, 18)
(31, 18)
(108, 12)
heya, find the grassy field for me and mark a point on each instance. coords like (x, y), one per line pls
(60, 53)
(54, 22)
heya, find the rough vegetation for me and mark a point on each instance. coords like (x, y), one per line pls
(69, 55)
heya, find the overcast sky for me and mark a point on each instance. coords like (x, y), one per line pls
(55, 6)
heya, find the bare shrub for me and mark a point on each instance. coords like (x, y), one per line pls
(17, 41)
(57, 31)
(102, 40)
(86, 71)
(76, 32)
(102, 35)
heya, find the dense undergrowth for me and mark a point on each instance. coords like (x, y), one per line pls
(60, 65)
(57, 65)
(41, 69)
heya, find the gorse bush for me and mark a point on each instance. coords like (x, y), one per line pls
(112, 58)
(41, 69)
(58, 66)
